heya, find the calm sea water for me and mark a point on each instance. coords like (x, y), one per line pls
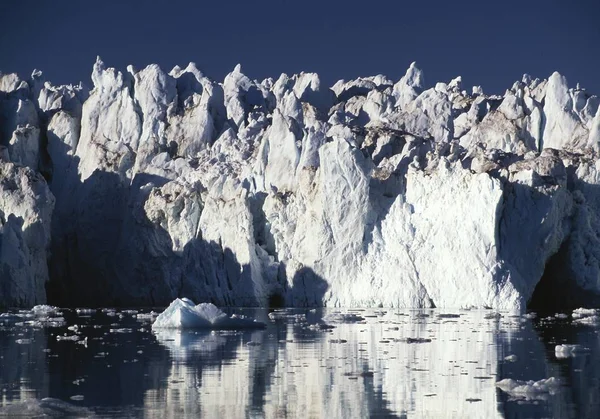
(378, 363)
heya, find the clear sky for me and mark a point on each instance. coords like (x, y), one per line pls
(489, 43)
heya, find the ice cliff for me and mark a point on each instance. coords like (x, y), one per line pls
(156, 185)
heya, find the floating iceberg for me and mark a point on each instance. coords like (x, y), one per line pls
(183, 314)
(567, 351)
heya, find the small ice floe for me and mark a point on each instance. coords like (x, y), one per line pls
(85, 311)
(183, 314)
(567, 351)
(286, 315)
(510, 358)
(529, 390)
(586, 316)
(130, 312)
(77, 397)
(73, 338)
(121, 330)
(343, 318)
(45, 311)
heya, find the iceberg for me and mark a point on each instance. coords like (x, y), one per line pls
(183, 314)
(567, 351)
(530, 390)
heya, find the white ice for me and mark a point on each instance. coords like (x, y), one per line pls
(183, 314)
(368, 193)
(529, 390)
(567, 351)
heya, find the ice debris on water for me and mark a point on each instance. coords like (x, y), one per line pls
(38, 316)
(286, 315)
(73, 338)
(529, 390)
(586, 316)
(121, 330)
(45, 311)
(85, 311)
(343, 318)
(183, 314)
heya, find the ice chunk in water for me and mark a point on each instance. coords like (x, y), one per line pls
(45, 311)
(586, 316)
(529, 390)
(567, 351)
(182, 314)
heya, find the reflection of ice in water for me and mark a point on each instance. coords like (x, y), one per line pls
(530, 390)
(204, 374)
(183, 343)
(46, 408)
(356, 370)
(400, 363)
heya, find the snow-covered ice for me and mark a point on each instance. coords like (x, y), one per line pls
(183, 314)
(156, 184)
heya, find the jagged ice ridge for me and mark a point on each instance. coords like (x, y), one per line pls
(153, 186)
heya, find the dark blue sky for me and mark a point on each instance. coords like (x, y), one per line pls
(491, 43)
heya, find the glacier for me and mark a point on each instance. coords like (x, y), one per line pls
(153, 186)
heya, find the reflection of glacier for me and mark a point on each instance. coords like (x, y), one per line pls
(358, 370)
(302, 373)
(181, 343)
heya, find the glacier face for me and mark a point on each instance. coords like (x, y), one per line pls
(371, 193)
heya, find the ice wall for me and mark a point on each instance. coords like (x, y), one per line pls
(285, 191)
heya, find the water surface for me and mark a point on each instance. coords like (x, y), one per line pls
(376, 363)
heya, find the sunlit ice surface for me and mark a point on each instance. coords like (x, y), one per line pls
(306, 363)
